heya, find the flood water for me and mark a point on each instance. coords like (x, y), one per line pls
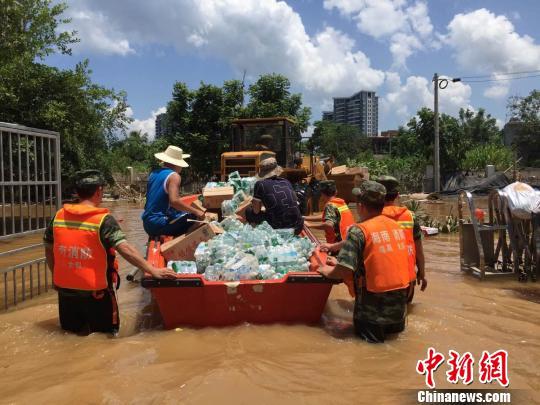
(271, 364)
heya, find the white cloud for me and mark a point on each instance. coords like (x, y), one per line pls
(402, 46)
(487, 43)
(97, 34)
(404, 100)
(407, 27)
(498, 90)
(147, 126)
(261, 36)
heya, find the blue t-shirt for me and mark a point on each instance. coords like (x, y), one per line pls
(280, 201)
(157, 212)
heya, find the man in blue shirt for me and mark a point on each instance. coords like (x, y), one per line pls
(164, 212)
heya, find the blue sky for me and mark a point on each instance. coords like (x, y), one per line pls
(327, 48)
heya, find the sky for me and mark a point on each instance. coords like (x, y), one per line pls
(327, 48)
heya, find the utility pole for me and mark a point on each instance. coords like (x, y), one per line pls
(436, 166)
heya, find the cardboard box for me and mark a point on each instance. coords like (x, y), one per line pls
(197, 204)
(242, 207)
(211, 216)
(183, 247)
(213, 197)
(338, 170)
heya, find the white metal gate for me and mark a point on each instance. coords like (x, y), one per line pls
(30, 195)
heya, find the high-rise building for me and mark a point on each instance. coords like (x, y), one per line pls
(161, 125)
(360, 110)
(328, 116)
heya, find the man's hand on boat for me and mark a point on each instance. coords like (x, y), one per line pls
(331, 247)
(331, 261)
(133, 257)
(162, 272)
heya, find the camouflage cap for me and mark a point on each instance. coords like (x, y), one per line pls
(370, 192)
(89, 177)
(327, 186)
(389, 182)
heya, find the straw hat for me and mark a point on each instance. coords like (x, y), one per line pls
(269, 168)
(173, 155)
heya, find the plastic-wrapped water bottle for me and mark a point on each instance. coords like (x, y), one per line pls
(183, 267)
(228, 208)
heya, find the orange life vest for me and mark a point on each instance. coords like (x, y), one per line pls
(385, 255)
(80, 259)
(345, 221)
(405, 219)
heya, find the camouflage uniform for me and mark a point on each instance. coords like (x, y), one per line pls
(374, 313)
(83, 311)
(331, 213)
(392, 184)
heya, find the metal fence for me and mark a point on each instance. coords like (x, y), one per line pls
(24, 281)
(30, 188)
(30, 194)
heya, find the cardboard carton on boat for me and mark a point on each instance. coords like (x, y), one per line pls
(214, 196)
(183, 247)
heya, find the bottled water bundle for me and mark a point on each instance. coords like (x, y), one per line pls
(243, 184)
(247, 253)
(182, 266)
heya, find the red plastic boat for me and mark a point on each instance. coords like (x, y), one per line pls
(190, 299)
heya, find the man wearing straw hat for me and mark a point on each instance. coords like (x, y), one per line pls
(164, 212)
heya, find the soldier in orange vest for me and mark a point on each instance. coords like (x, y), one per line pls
(375, 251)
(337, 218)
(80, 247)
(413, 232)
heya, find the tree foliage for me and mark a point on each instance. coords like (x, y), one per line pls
(270, 96)
(456, 137)
(480, 156)
(199, 120)
(526, 110)
(87, 116)
(30, 30)
(339, 140)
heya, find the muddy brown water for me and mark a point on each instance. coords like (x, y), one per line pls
(269, 364)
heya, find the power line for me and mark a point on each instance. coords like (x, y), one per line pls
(501, 74)
(500, 79)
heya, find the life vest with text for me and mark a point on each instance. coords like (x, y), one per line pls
(405, 219)
(385, 255)
(80, 259)
(345, 221)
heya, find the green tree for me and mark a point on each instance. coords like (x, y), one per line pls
(329, 139)
(479, 127)
(30, 30)
(88, 116)
(233, 101)
(198, 121)
(133, 150)
(480, 156)
(417, 140)
(270, 96)
(527, 111)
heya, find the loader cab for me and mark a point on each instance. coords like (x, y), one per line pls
(256, 139)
